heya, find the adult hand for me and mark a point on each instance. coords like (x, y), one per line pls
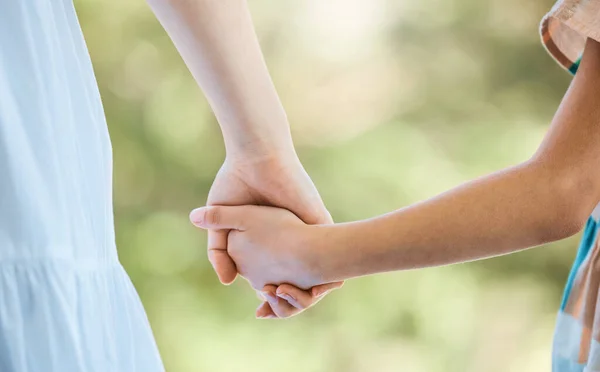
(271, 180)
(256, 235)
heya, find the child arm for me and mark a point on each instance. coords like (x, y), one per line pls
(219, 45)
(547, 198)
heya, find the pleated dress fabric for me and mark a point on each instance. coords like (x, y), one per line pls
(66, 304)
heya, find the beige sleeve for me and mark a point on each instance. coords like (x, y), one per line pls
(566, 27)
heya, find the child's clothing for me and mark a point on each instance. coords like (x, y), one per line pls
(576, 340)
(66, 304)
(577, 337)
(566, 28)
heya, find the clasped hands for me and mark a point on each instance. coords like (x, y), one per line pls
(270, 247)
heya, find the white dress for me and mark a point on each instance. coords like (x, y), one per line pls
(66, 304)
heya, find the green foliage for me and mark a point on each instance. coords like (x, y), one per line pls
(391, 102)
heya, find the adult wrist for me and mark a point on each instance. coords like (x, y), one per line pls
(258, 148)
(256, 133)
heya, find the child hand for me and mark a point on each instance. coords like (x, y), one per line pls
(268, 245)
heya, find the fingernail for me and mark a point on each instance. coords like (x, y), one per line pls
(286, 296)
(197, 216)
(271, 298)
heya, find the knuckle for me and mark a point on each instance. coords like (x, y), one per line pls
(213, 216)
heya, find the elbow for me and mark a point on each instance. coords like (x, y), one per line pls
(563, 227)
(568, 204)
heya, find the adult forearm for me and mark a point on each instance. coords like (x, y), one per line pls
(508, 211)
(219, 45)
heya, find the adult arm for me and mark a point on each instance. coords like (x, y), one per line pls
(547, 198)
(218, 43)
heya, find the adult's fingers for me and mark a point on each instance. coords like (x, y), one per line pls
(279, 306)
(219, 258)
(220, 219)
(264, 311)
(323, 289)
(296, 297)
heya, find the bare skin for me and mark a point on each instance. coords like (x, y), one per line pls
(219, 45)
(546, 198)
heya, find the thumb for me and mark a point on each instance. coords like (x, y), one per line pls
(314, 214)
(219, 217)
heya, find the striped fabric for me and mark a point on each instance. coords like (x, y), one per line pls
(576, 341)
(576, 347)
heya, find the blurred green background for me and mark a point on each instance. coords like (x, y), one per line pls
(390, 102)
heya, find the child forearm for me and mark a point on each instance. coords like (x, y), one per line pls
(219, 45)
(511, 210)
(501, 213)
(542, 200)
